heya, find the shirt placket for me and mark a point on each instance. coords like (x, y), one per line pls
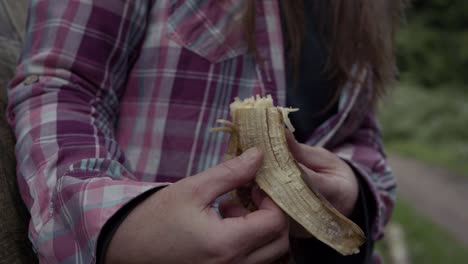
(270, 60)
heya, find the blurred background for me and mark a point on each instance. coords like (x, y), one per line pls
(425, 127)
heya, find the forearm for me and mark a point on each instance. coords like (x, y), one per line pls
(72, 174)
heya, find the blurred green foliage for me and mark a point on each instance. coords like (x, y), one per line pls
(430, 125)
(426, 117)
(433, 44)
(427, 242)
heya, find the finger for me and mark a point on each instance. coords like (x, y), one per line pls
(332, 189)
(326, 187)
(259, 227)
(262, 201)
(312, 157)
(257, 195)
(227, 176)
(290, 138)
(270, 252)
(229, 208)
(293, 144)
(255, 229)
(318, 182)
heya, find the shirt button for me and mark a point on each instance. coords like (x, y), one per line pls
(31, 79)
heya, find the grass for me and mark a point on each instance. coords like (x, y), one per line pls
(430, 125)
(442, 155)
(427, 242)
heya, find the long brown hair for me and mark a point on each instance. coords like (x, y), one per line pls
(357, 32)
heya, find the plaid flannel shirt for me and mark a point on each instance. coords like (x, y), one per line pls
(114, 98)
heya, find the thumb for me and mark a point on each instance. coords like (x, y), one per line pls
(226, 177)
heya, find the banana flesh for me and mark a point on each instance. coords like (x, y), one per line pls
(256, 122)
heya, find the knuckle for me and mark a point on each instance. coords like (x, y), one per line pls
(187, 186)
(194, 190)
(328, 155)
(280, 223)
(323, 152)
(281, 249)
(228, 169)
(221, 249)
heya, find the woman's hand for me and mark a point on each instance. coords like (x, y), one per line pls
(328, 174)
(178, 225)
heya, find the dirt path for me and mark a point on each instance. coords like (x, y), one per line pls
(434, 192)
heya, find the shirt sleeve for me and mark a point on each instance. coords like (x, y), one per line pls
(363, 150)
(63, 105)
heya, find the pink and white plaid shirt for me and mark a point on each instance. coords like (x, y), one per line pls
(114, 98)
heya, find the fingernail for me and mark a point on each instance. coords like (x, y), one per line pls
(251, 153)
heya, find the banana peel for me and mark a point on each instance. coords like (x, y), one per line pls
(256, 122)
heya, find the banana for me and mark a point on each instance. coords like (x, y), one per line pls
(256, 122)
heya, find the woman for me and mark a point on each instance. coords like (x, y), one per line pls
(112, 104)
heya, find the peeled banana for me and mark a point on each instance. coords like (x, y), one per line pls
(256, 122)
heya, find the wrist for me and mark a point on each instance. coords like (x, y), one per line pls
(113, 224)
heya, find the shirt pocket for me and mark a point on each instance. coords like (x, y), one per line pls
(213, 29)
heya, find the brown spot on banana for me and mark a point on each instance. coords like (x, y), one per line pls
(256, 122)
